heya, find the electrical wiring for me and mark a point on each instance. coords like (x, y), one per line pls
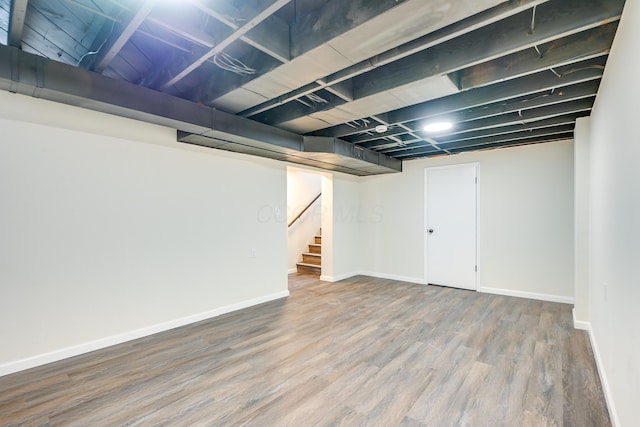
(358, 123)
(229, 63)
(95, 52)
(533, 20)
(575, 70)
(316, 99)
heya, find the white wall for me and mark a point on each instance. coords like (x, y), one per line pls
(581, 219)
(111, 229)
(302, 188)
(347, 217)
(526, 220)
(615, 226)
(392, 243)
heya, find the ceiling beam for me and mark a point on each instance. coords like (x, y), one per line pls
(522, 134)
(554, 19)
(295, 110)
(319, 22)
(566, 94)
(539, 82)
(118, 39)
(449, 32)
(552, 137)
(506, 125)
(183, 29)
(499, 124)
(577, 47)
(270, 37)
(432, 151)
(520, 117)
(522, 86)
(527, 136)
(17, 15)
(566, 119)
(237, 34)
(342, 89)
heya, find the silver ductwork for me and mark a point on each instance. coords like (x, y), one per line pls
(39, 77)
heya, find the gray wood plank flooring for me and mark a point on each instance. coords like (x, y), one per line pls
(361, 352)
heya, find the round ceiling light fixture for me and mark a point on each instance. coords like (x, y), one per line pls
(381, 128)
(438, 126)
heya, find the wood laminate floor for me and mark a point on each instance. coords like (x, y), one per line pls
(361, 352)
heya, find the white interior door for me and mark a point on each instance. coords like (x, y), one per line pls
(451, 226)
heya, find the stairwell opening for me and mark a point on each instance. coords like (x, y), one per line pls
(308, 198)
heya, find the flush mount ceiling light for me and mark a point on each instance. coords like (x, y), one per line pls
(438, 126)
(381, 128)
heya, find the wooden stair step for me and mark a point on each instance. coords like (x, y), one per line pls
(317, 240)
(308, 268)
(310, 258)
(315, 248)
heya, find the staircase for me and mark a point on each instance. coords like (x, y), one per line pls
(312, 260)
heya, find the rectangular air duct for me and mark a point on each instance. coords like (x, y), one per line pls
(31, 75)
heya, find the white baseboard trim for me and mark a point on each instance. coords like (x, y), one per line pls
(418, 280)
(292, 270)
(579, 324)
(76, 350)
(530, 295)
(337, 278)
(608, 396)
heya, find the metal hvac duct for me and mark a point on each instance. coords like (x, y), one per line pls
(32, 75)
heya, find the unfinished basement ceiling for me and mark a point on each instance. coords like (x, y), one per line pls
(505, 73)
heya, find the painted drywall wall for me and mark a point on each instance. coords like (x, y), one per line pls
(302, 189)
(615, 230)
(110, 229)
(327, 227)
(392, 242)
(347, 217)
(581, 219)
(525, 220)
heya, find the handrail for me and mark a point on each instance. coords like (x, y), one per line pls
(304, 210)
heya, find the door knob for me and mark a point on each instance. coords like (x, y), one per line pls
(430, 231)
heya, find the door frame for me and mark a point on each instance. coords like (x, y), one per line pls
(426, 217)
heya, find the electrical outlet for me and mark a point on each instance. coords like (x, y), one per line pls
(254, 253)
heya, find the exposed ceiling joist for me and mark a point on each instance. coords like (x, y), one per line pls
(270, 37)
(449, 32)
(316, 25)
(577, 47)
(539, 82)
(343, 33)
(117, 39)
(566, 119)
(184, 30)
(520, 119)
(370, 72)
(566, 94)
(538, 139)
(17, 13)
(221, 46)
(553, 20)
(516, 138)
